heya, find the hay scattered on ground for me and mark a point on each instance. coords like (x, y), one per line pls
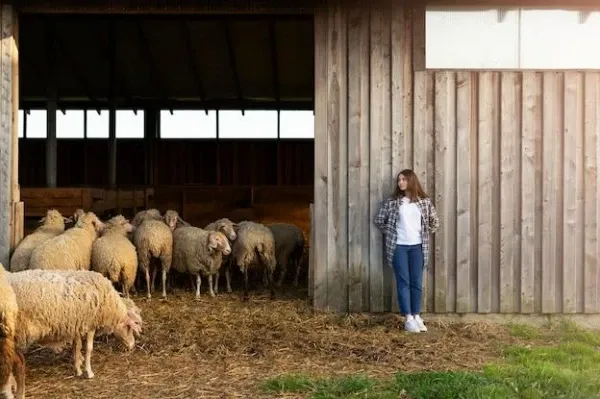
(221, 348)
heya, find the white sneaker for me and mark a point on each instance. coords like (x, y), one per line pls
(420, 324)
(410, 325)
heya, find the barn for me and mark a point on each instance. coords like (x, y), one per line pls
(517, 199)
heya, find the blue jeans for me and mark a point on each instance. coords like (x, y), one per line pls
(408, 269)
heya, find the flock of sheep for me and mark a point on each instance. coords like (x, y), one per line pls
(60, 287)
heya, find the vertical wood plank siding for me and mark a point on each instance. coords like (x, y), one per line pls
(510, 158)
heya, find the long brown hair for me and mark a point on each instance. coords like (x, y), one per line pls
(413, 190)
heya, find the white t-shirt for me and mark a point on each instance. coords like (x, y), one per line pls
(409, 223)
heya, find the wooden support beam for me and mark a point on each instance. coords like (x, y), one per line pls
(8, 129)
(233, 64)
(145, 47)
(418, 38)
(51, 108)
(112, 113)
(275, 67)
(193, 65)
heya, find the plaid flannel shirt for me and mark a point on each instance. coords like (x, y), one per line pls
(386, 221)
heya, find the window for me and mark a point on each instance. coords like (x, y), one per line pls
(296, 125)
(70, 124)
(21, 123)
(473, 39)
(252, 125)
(130, 125)
(188, 124)
(36, 124)
(97, 125)
(512, 39)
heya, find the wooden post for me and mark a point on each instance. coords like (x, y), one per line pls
(112, 113)
(51, 107)
(8, 129)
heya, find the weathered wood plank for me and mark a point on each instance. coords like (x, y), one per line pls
(337, 148)
(321, 160)
(358, 159)
(465, 173)
(488, 108)
(423, 161)
(530, 190)
(445, 180)
(380, 157)
(572, 264)
(552, 159)
(510, 224)
(591, 298)
(7, 133)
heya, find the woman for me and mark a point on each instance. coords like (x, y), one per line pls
(405, 220)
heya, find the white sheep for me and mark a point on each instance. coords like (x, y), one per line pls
(289, 246)
(153, 238)
(71, 250)
(199, 252)
(12, 363)
(113, 254)
(254, 245)
(53, 224)
(57, 307)
(226, 227)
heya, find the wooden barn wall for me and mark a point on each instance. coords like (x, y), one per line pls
(509, 157)
(178, 162)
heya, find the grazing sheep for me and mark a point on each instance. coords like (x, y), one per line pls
(226, 227)
(53, 224)
(289, 246)
(57, 307)
(254, 244)
(12, 362)
(153, 238)
(71, 250)
(114, 256)
(199, 252)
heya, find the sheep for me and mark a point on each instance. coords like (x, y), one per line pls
(53, 224)
(153, 238)
(146, 214)
(71, 250)
(289, 246)
(113, 254)
(57, 307)
(197, 251)
(12, 362)
(254, 244)
(226, 227)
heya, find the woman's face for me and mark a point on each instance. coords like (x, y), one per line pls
(402, 182)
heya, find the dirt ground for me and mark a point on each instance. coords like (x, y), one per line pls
(223, 348)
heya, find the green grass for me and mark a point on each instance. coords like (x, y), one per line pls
(568, 367)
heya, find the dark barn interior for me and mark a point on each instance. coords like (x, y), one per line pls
(153, 63)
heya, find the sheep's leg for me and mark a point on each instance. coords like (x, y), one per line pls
(246, 296)
(19, 374)
(216, 287)
(77, 357)
(271, 283)
(89, 346)
(144, 259)
(228, 278)
(165, 260)
(210, 285)
(198, 282)
(284, 265)
(153, 278)
(193, 282)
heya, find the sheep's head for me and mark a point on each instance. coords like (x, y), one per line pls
(54, 218)
(90, 219)
(119, 222)
(131, 326)
(227, 227)
(171, 219)
(147, 214)
(218, 242)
